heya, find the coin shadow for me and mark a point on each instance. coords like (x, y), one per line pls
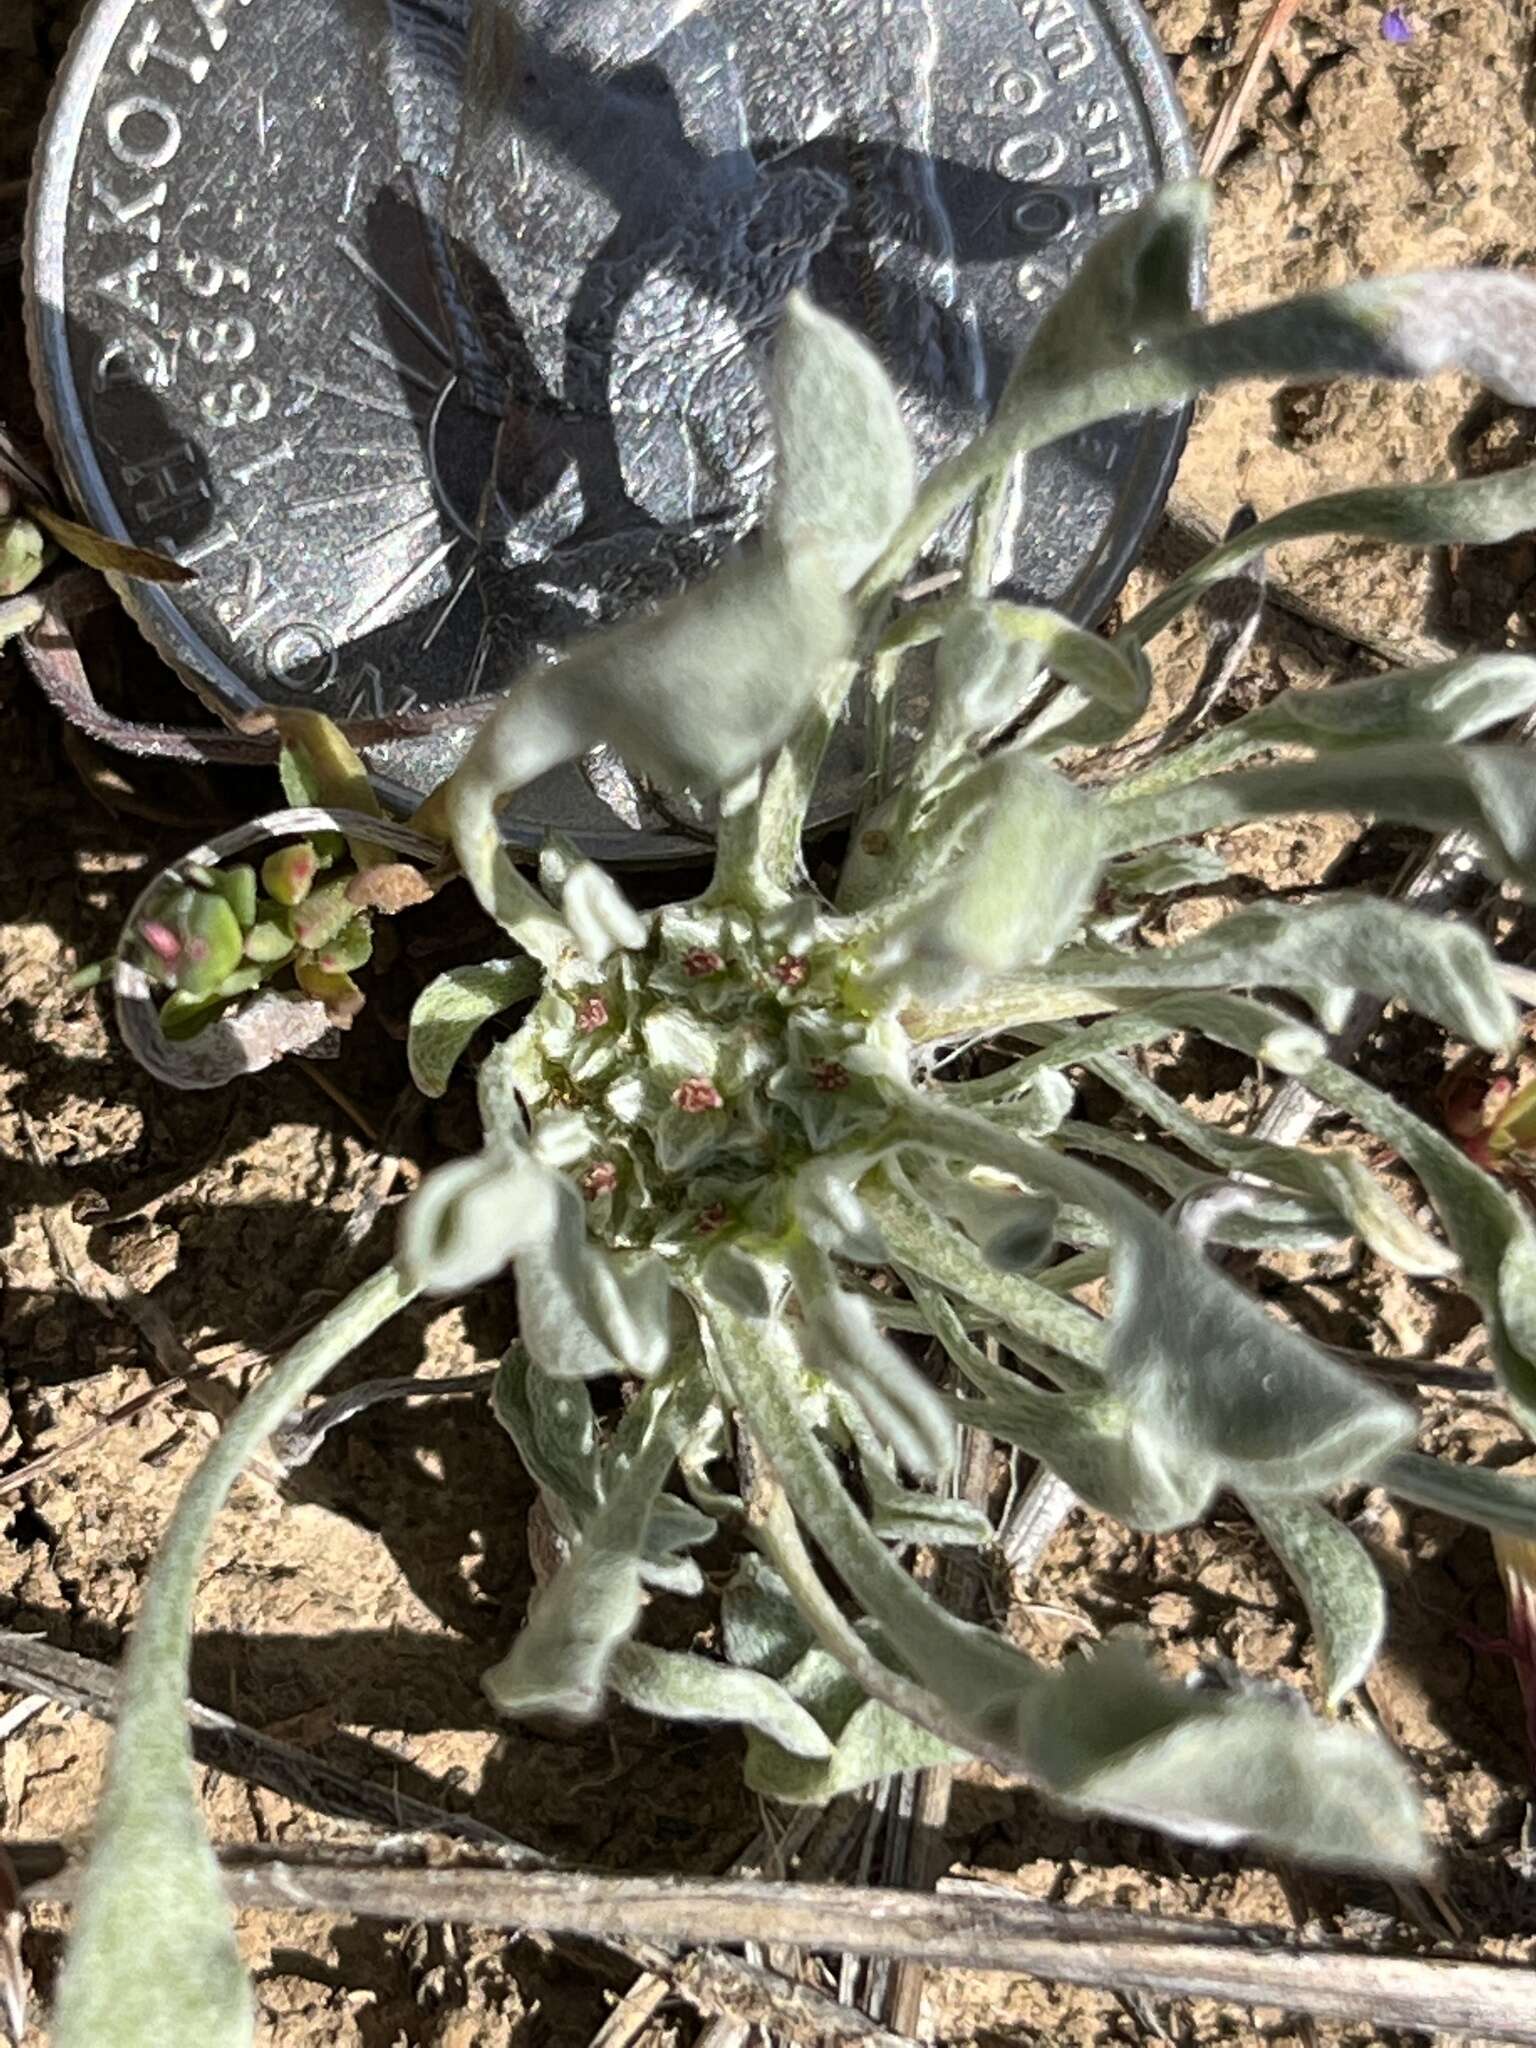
(561, 536)
(164, 470)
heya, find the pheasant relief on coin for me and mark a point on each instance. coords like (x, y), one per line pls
(432, 332)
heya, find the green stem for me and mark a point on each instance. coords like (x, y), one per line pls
(1207, 756)
(162, 1632)
(1000, 1006)
(151, 1900)
(879, 730)
(919, 1239)
(986, 532)
(1037, 415)
(1122, 1032)
(968, 1358)
(773, 1529)
(951, 1656)
(757, 852)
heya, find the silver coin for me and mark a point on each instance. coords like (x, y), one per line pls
(430, 336)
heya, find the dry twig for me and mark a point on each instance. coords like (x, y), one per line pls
(718, 1985)
(28, 1664)
(1225, 128)
(967, 1926)
(151, 1397)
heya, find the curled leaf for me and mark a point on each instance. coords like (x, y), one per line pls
(763, 1629)
(863, 1740)
(1029, 1312)
(1445, 970)
(451, 1009)
(1013, 1230)
(683, 1687)
(600, 915)
(468, 1219)
(555, 1431)
(694, 696)
(582, 1308)
(1136, 284)
(1108, 686)
(1337, 1178)
(561, 1661)
(1342, 1588)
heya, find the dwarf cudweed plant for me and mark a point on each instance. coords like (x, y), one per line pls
(723, 1160)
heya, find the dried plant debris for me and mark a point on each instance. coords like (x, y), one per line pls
(719, 1127)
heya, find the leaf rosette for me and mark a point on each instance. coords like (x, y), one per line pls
(732, 1158)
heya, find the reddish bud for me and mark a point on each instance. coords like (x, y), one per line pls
(701, 961)
(1500, 1089)
(1468, 1103)
(600, 1179)
(709, 1220)
(696, 1095)
(790, 970)
(829, 1075)
(161, 941)
(287, 874)
(591, 1015)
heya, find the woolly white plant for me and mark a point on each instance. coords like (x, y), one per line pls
(718, 1122)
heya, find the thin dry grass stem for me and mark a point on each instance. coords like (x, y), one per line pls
(966, 1926)
(32, 1666)
(152, 1397)
(915, 1849)
(1227, 126)
(112, 1296)
(348, 1106)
